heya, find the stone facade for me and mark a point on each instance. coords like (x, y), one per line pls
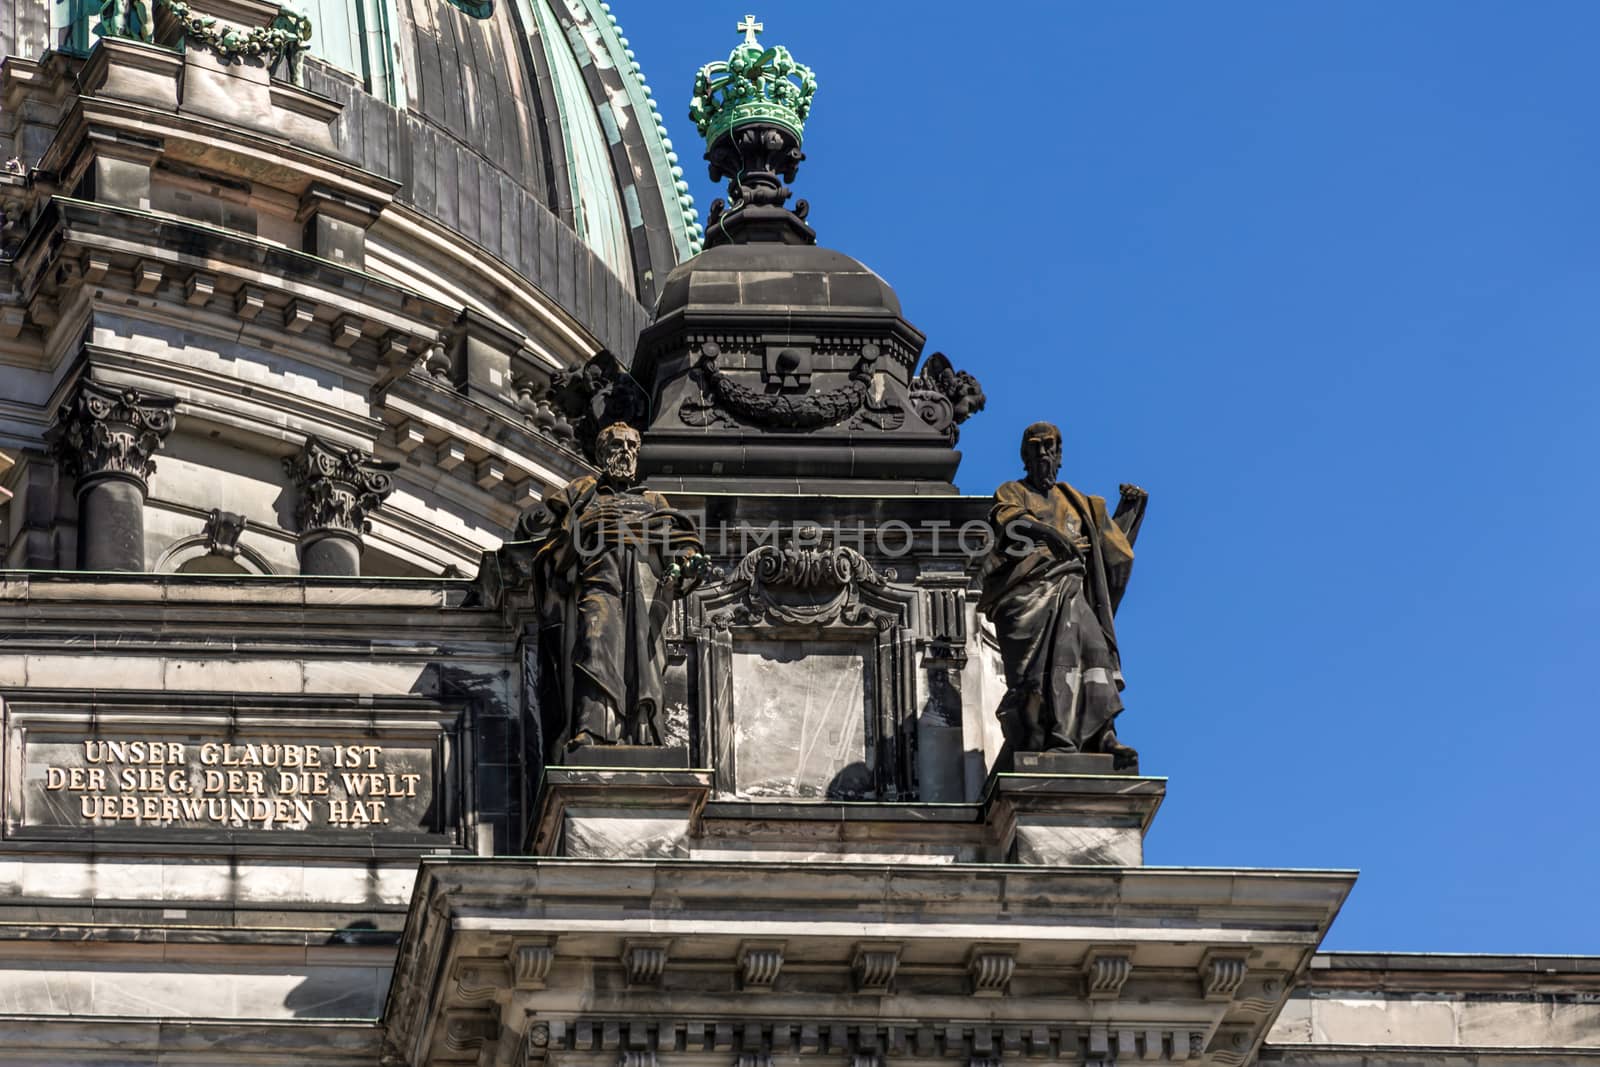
(293, 368)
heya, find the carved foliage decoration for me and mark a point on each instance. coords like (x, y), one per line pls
(945, 397)
(109, 432)
(338, 487)
(593, 397)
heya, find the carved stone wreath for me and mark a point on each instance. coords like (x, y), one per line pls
(725, 401)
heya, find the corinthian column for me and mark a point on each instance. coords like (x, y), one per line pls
(338, 487)
(105, 438)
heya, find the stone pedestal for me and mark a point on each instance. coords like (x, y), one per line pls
(631, 757)
(618, 812)
(133, 70)
(1068, 820)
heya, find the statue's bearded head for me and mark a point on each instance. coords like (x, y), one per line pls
(1041, 454)
(618, 451)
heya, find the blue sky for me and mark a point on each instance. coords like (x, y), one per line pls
(1322, 277)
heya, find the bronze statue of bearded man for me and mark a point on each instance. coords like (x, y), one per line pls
(1051, 586)
(609, 557)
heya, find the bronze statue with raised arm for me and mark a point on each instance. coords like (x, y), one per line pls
(1051, 585)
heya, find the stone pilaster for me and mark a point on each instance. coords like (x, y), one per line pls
(106, 439)
(338, 488)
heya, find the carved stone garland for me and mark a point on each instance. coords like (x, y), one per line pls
(808, 584)
(725, 401)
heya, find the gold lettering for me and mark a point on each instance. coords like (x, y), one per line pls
(264, 785)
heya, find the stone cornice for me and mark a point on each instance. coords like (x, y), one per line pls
(272, 161)
(76, 232)
(1165, 965)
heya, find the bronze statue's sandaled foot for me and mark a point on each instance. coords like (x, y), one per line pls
(1123, 757)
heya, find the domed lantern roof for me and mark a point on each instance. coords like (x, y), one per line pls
(773, 364)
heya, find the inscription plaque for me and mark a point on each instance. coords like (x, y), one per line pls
(126, 771)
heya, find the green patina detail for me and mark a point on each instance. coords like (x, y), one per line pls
(284, 40)
(478, 9)
(756, 84)
(126, 18)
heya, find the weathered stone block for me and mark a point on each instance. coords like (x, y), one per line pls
(800, 713)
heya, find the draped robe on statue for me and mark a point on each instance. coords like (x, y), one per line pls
(600, 562)
(1053, 617)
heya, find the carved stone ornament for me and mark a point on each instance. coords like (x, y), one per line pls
(645, 962)
(944, 397)
(990, 968)
(338, 487)
(724, 401)
(222, 533)
(874, 965)
(1105, 973)
(469, 1031)
(530, 964)
(599, 394)
(1221, 976)
(106, 432)
(806, 582)
(759, 964)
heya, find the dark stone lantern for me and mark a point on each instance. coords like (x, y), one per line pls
(772, 364)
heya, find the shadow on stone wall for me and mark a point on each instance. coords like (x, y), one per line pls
(344, 992)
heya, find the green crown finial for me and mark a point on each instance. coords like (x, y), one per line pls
(754, 85)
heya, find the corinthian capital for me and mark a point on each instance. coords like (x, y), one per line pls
(338, 487)
(107, 432)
